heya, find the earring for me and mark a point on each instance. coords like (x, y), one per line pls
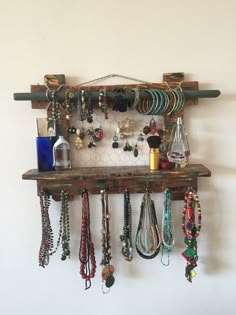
(127, 146)
(115, 144)
(136, 150)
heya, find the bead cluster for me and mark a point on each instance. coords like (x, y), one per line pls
(191, 231)
(86, 252)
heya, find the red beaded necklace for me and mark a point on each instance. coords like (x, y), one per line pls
(86, 252)
(191, 230)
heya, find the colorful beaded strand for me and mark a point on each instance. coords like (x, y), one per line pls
(191, 231)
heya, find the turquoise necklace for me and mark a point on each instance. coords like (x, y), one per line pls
(168, 238)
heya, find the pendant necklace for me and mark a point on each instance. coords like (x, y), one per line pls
(108, 270)
(86, 251)
(126, 238)
(167, 235)
(191, 231)
(148, 239)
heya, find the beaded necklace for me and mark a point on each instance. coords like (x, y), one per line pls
(108, 270)
(86, 251)
(126, 238)
(191, 231)
(148, 239)
(47, 233)
(168, 238)
(46, 248)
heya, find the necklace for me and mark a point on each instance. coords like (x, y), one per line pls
(167, 235)
(64, 228)
(46, 247)
(126, 238)
(108, 270)
(191, 231)
(148, 240)
(47, 233)
(86, 252)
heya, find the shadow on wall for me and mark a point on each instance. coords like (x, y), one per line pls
(214, 220)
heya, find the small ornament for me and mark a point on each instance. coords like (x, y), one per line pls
(71, 130)
(152, 126)
(140, 137)
(136, 150)
(146, 130)
(127, 146)
(115, 144)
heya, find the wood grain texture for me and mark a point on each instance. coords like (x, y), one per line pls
(116, 179)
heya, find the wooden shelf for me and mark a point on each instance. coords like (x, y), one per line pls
(116, 179)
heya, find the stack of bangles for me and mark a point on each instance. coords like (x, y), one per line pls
(162, 102)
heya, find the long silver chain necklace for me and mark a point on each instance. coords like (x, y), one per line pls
(167, 232)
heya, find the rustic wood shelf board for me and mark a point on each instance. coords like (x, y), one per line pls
(116, 179)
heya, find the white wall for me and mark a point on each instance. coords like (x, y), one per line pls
(85, 40)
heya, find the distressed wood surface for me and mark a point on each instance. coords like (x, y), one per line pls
(116, 179)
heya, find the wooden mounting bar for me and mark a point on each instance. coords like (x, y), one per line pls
(116, 179)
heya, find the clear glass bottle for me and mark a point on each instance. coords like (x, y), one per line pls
(178, 148)
(61, 154)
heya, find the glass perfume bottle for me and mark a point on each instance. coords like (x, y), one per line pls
(178, 148)
(61, 154)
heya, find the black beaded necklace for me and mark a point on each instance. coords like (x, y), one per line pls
(126, 238)
(46, 248)
(47, 233)
(108, 270)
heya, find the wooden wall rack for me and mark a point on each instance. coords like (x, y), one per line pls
(117, 179)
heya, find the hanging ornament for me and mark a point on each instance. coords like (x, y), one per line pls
(167, 234)
(148, 240)
(191, 231)
(178, 149)
(152, 126)
(115, 143)
(136, 150)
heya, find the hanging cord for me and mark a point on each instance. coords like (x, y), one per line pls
(47, 233)
(148, 239)
(114, 76)
(126, 238)
(168, 238)
(86, 251)
(191, 231)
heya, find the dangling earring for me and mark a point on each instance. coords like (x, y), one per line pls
(136, 150)
(115, 144)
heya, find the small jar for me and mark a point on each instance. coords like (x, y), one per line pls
(154, 157)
